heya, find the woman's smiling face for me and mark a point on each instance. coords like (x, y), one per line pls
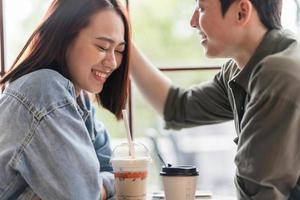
(96, 52)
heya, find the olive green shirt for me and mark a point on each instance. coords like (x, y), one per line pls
(264, 100)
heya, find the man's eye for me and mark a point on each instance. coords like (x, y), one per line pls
(200, 9)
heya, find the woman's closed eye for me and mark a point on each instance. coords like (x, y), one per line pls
(102, 48)
(119, 51)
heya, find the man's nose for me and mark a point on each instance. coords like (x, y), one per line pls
(194, 22)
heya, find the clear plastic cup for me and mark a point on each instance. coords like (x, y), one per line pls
(131, 173)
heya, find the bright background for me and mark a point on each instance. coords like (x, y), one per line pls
(167, 39)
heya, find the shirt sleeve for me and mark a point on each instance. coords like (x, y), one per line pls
(27, 194)
(268, 156)
(102, 145)
(57, 158)
(205, 103)
(101, 142)
(103, 151)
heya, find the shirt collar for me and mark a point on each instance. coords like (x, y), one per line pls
(274, 41)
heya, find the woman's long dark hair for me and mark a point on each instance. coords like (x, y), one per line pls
(47, 47)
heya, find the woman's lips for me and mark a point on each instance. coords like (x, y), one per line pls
(100, 76)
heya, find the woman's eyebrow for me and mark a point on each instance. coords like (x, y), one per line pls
(107, 39)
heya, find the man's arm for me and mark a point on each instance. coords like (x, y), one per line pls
(153, 84)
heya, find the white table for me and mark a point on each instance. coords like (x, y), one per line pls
(212, 197)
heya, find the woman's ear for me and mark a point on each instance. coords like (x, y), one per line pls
(244, 12)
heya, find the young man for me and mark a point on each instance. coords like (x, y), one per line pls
(258, 88)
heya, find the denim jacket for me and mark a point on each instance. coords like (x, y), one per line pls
(49, 145)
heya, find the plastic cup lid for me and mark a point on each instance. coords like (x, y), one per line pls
(122, 151)
(181, 170)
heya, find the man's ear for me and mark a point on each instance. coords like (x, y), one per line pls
(244, 12)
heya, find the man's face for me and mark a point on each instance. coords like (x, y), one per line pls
(217, 31)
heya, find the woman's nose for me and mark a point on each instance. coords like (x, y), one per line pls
(110, 61)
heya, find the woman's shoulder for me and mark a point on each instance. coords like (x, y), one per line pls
(42, 77)
(42, 87)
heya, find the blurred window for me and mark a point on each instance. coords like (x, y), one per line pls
(161, 29)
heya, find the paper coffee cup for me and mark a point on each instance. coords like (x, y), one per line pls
(130, 174)
(179, 182)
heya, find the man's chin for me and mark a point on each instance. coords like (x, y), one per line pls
(210, 54)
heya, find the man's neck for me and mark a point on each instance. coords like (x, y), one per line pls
(252, 39)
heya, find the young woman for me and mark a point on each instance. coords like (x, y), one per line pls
(50, 145)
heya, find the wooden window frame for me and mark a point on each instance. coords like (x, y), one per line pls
(130, 103)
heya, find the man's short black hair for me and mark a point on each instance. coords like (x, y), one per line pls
(269, 11)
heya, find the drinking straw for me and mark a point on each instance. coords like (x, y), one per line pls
(129, 138)
(162, 160)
